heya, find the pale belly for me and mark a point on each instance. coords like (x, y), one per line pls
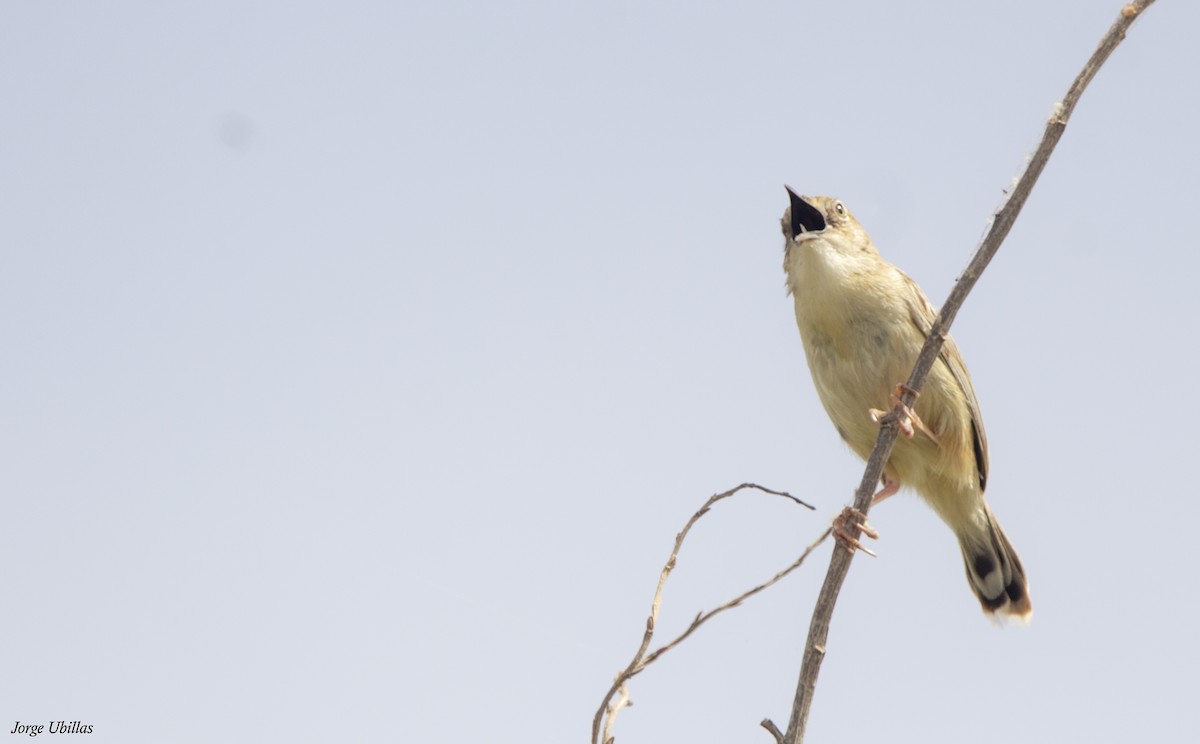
(859, 370)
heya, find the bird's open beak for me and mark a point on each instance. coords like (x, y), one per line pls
(805, 217)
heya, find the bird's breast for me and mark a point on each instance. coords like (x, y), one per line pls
(857, 351)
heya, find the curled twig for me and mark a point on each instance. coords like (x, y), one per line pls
(608, 707)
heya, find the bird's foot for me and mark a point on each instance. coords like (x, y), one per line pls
(890, 487)
(908, 418)
(848, 525)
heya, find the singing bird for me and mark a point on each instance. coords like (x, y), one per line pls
(863, 323)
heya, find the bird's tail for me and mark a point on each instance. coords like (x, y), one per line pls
(994, 571)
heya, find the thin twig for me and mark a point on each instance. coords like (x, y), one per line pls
(609, 709)
(814, 650)
(704, 616)
(772, 729)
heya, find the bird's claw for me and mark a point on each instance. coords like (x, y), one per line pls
(907, 419)
(847, 524)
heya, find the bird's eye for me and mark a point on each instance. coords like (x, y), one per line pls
(839, 208)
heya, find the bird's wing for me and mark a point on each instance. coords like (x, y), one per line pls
(923, 315)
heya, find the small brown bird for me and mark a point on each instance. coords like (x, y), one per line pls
(863, 323)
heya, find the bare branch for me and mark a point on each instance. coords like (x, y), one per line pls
(612, 709)
(772, 729)
(608, 708)
(704, 616)
(1002, 222)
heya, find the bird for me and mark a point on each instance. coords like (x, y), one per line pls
(862, 322)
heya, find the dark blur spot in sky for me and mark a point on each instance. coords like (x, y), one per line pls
(237, 131)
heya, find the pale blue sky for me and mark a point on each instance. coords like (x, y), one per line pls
(363, 359)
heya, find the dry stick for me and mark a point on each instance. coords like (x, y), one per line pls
(610, 708)
(703, 617)
(814, 651)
